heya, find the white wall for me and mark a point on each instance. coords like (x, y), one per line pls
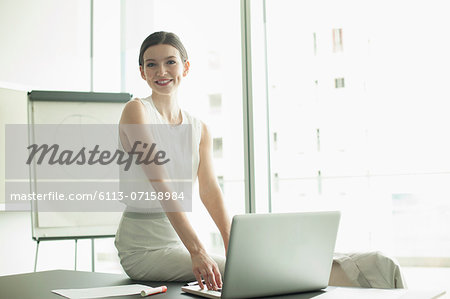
(45, 44)
(13, 110)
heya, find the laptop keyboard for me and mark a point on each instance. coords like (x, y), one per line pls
(194, 283)
(212, 291)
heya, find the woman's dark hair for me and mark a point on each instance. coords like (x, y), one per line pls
(162, 38)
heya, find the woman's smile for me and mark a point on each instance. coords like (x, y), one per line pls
(163, 82)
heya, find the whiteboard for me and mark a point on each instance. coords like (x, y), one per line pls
(56, 107)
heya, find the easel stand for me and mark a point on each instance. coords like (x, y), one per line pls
(75, 238)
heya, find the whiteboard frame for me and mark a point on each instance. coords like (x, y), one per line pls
(64, 233)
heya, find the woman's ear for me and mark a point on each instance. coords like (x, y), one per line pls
(186, 68)
(141, 69)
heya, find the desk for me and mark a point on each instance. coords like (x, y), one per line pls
(38, 285)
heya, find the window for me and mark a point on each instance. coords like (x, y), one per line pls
(215, 103)
(217, 147)
(337, 40)
(377, 150)
(107, 46)
(339, 83)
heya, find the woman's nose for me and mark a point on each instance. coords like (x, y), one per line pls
(161, 70)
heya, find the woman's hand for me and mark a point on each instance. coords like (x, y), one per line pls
(202, 264)
(206, 267)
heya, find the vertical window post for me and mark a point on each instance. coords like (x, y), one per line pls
(91, 45)
(249, 167)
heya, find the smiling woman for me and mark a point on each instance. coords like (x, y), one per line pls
(164, 246)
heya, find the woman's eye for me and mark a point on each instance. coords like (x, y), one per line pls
(171, 62)
(150, 64)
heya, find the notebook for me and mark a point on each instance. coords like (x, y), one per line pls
(274, 254)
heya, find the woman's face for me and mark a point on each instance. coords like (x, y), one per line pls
(163, 69)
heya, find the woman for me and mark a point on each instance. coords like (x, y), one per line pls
(164, 246)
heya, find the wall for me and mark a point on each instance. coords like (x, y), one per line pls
(45, 44)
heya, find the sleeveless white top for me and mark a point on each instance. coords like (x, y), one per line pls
(137, 179)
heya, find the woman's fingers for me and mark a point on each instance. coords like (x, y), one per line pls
(205, 278)
(218, 277)
(212, 280)
(204, 266)
(199, 279)
(209, 278)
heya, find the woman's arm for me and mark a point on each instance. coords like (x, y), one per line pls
(210, 192)
(202, 265)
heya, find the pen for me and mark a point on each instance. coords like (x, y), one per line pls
(152, 291)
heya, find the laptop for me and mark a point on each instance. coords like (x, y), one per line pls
(274, 254)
